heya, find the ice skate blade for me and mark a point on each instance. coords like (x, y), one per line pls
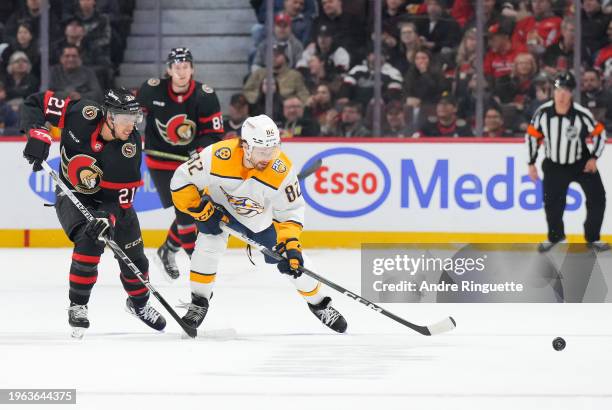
(78, 333)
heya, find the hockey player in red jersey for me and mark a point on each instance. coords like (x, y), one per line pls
(183, 116)
(101, 154)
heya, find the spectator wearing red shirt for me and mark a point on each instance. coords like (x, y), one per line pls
(500, 58)
(539, 31)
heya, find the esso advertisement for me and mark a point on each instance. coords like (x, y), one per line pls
(351, 182)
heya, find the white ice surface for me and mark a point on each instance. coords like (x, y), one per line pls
(499, 357)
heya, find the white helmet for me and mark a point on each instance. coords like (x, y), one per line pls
(260, 132)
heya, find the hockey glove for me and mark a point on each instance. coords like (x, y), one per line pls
(102, 226)
(207, 217)
(37, 148)
(292, 251)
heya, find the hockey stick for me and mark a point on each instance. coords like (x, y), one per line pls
(191, 332)
(444, 325)
(310, 170)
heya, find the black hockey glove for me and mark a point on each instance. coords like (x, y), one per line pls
(102, 226)
(37, 148)
(291, 249)
(207, 216)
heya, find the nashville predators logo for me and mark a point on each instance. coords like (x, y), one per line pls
(243, 206)
(82, 172)
(223, 153)
(179, 130)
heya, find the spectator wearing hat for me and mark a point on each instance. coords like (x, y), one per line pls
(350, 123)
(295, 123)
(560, 56)
(358, 84)
(335, 57)
(396, 124)
(25, 42)
(19, 81)
(499, 60)
(237, 113)
(445, 123)
(348, 33)
(284, 36)
(301, 23)
(440, 32)
(290, 81)
(594, 26)
(9, 120)
(72, 78)
(540, 30)
(494, 124)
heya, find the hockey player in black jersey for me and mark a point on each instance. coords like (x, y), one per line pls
(101, 154)
(183, 116)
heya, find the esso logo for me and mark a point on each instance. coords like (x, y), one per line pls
(350, 183)
(146, 199)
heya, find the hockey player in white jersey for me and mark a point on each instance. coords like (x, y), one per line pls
(254, 183)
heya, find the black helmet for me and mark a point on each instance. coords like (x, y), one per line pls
(121, 101)
(565, 80)
(179, 54)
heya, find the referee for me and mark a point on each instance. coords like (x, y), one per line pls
(563, 127)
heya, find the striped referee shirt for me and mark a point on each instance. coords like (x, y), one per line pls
(564, 136)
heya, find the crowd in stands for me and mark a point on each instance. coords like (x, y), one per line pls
(86, 43)
(323, 65)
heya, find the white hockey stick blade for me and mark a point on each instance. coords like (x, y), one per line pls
(445, 325)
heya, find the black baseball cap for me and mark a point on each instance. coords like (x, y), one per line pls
(448, 98)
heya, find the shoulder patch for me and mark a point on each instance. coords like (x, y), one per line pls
(153, 82)
(128, 150)
(207, 89)
(223, 153)
(279, 166)
(89, 112)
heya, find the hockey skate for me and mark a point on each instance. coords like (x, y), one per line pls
(147, 314)
(196, 310)
(167, 260)
(77, 319)
(329, 316)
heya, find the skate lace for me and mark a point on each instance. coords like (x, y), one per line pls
(329, 316)
(149, 313)
(195, 312)
(78, 311)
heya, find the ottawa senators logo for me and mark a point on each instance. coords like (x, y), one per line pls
(179, 130)
(90, 112)
(243, 206)
(128, 150)
(223, 153)
(82, 172)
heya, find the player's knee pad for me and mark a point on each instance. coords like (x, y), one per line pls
(208, 251)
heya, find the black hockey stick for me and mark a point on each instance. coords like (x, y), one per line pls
(444, 325)
(119, 252)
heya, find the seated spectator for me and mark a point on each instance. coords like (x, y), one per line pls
(445, 123)
(19, 81)
(490, 9)
(97, 26)
(9, 120)
(238, 112)
(409, 44)
(347, 31)
(301, 23)
(517, 88)
(396, 124)
(321, 107)
(494, 124)
(559, 57)
(603, 60)
(466, 56)
(290, 81)
(358, 84)
(336, 58)
(595, 97)
(258, 107)
(295, 123)
(351, 121)
(392, 13)
(499, 60)
(71, 77)
(282, 35)
(29, 14)
(26, 43)
(424, 82)
(594, 26)
(318, 73)
(440, 31)
(465, 94)
(543, 93)
(539, 31)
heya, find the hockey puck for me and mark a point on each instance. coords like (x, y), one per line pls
(558, 344)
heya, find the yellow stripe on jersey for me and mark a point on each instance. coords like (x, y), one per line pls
(287, 230)
(202, 277)
(226, 162)
(186, 197)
